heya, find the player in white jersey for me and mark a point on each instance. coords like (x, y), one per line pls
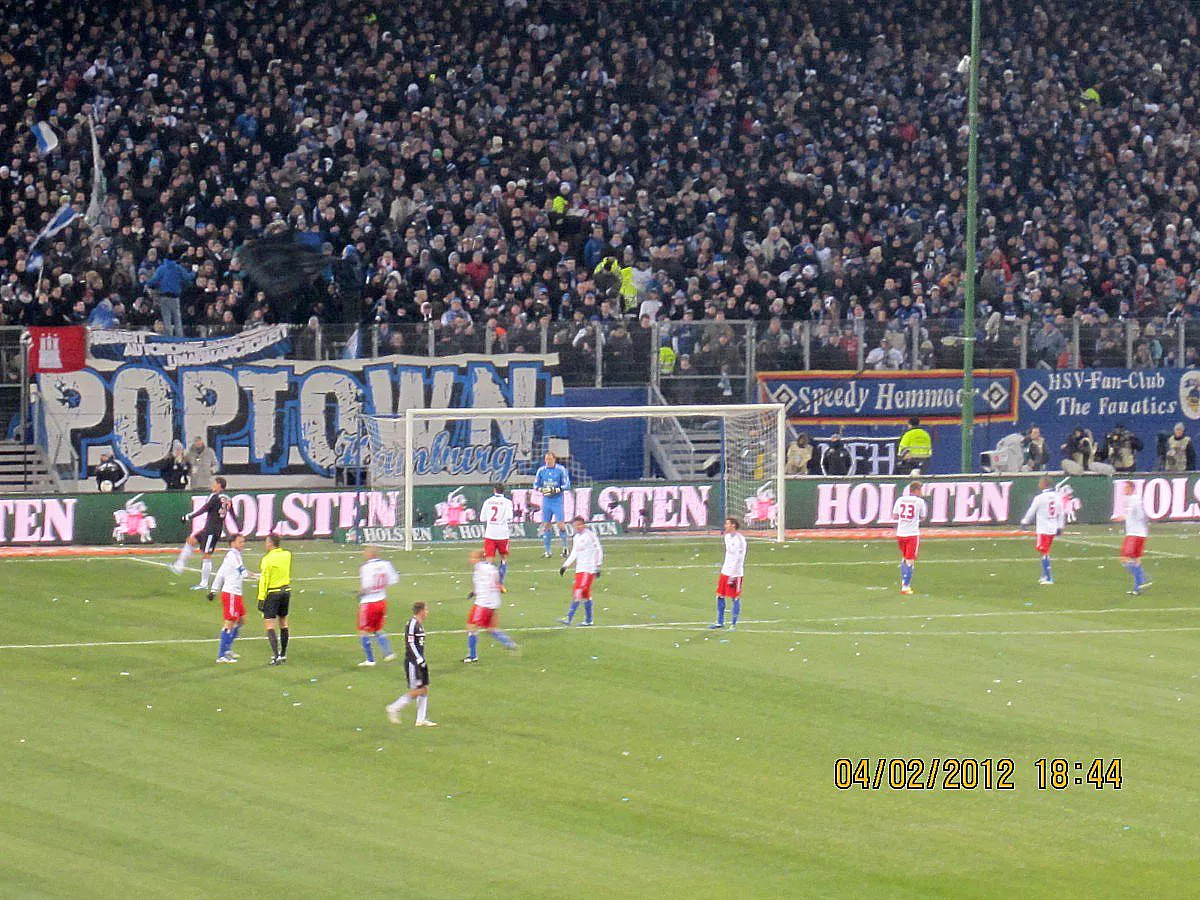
(587, 556)
(228, 582)
(729, 583)
(375, 576)
(497, 515)
(485, 609)
(1137, 529)
(1048, 508)
(908, 511)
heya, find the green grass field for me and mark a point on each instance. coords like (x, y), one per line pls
(648, 757)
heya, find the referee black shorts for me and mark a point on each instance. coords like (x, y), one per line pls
(276, 603)
(418, 676)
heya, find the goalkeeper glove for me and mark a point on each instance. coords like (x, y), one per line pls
(597, 573)
(471, 596)
(562, 570)
(212, 596)
(185, 519)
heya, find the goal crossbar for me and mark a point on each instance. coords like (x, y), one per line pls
(777, 410)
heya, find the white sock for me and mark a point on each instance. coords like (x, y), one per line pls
(402, 701)
(422, 702)
(205, 571)
(184, 554)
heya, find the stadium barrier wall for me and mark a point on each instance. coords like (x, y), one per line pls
(648, 507)
(871, 408)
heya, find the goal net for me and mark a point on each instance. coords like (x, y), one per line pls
(632, 470)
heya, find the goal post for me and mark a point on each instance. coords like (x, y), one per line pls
(638, 470)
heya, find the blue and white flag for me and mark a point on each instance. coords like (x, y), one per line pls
(35, 261)
(61, 220)
(46, 139)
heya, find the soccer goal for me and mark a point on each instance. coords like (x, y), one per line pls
(633, 470)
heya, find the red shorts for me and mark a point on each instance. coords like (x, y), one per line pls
(232, 607)
(492, 547)
(1043, 543)
(371, 615)
(583, 585)
(481, 616)
(1133, 547)
(909, 546)
(729, 586)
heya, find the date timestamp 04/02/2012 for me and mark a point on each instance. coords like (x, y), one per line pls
(965, 773)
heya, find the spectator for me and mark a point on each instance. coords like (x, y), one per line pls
(799, 456)
(885, 356)
(916, 447)
(176, 471)
(1180, 453)
(1120, 449)
(1049, 344)
(203, 462)
(1079, 449)
(110, 473)
(836, 460)
(1037, 454)
(168, 282)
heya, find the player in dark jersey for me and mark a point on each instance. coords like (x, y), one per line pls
(216, 510)
(416, 667)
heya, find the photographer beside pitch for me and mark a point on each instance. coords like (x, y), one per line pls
(275, 596)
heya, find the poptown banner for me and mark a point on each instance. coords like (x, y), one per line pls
(286, 417)
(870, 409)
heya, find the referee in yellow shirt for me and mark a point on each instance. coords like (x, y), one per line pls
(275, 596)
(916, 446)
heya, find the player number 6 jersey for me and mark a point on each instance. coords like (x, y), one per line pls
(734, 565)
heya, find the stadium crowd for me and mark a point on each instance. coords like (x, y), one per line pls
(498, 168)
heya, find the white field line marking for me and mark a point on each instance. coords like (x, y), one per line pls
(527, 629)
(647, 626)
(1013, 612)
(1065, 632)
(1114, 547)
(798, 564)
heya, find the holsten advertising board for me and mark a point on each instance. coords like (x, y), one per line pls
(655, 508)
(440, 513)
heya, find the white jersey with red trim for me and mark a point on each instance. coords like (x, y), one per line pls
(908, 511)
(496, 514)
(230, 575)
(586, 553)
(735, 555)
(486, 581)
(374, 578)
(1049, 510)
(1137, 524)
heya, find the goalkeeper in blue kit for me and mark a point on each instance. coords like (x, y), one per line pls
(550, 481)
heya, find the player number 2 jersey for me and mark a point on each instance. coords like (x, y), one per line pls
(1047, 508)
(497, 516)
(908, 511)
(734, 565)
(374, 578)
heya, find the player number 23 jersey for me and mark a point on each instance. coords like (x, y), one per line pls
(908, 512)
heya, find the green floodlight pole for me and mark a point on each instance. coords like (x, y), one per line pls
(968, 388)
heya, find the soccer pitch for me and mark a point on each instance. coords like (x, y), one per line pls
(646, 757)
